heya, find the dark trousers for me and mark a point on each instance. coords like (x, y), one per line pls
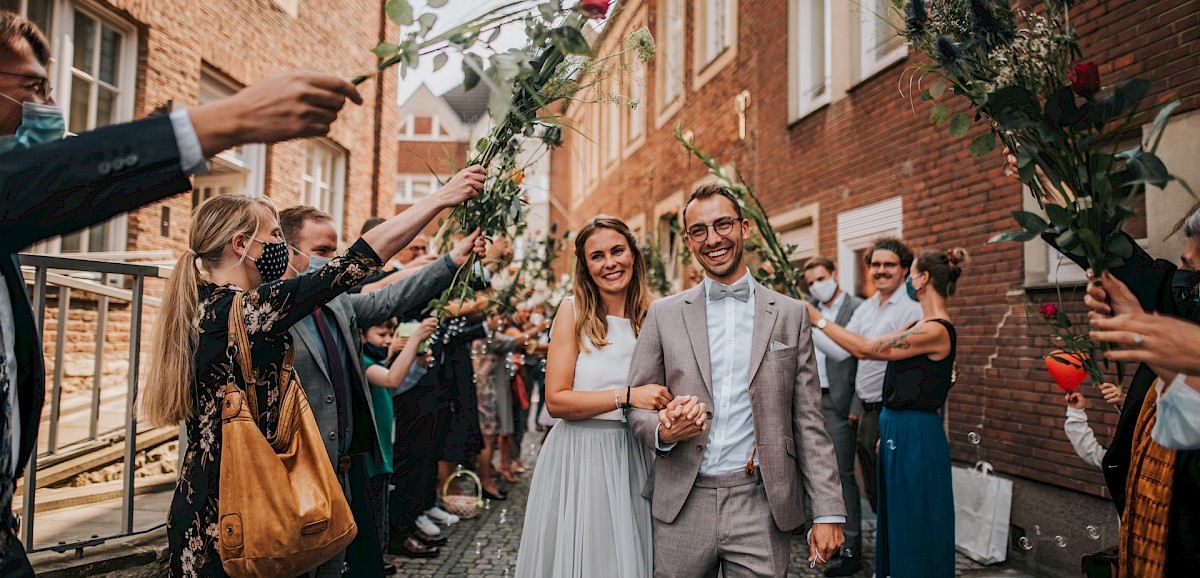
(15, 563)
(379, 503)
(867, 442)
(364, 556)
(414, 462)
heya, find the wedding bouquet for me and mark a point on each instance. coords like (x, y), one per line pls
(1022, 72)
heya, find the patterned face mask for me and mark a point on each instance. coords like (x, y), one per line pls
(273, 262)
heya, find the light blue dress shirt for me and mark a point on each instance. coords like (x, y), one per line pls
(731, 431)
(731, 434)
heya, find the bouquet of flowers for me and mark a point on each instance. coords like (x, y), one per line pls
(1023, 74)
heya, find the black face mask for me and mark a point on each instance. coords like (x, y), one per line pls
(376, 352)
(273, 262)
(1185, 287)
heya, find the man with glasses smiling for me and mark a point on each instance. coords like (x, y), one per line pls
(888, 310)
(50, 186)
(730, 484)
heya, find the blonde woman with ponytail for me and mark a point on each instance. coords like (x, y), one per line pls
(235, 246)
(586, 516)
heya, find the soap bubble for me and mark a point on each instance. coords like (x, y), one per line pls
(891, 444)
(1093, 532)
(1060, 541)
(1025, 543)
(973, 438)
(478, 548)
(487, 503)
(1037, 529)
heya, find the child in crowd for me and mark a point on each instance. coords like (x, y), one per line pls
(388, 363)
(1079, 432)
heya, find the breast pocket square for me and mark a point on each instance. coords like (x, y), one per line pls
(777, 346)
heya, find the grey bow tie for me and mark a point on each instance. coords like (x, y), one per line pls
(741, 292)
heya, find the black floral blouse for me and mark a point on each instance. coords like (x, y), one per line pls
(270, 310)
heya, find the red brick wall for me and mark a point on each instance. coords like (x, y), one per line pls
(248, 41)
(422, 157)
(871, 146)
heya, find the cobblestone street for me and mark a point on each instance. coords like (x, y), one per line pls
(486, 547)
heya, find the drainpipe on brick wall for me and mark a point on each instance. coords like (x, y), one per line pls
(378, 133)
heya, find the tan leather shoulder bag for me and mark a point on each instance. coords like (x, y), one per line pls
(282, 511)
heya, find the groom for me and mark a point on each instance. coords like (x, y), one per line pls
(727, 491)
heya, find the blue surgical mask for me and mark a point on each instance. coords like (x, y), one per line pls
(912, 291)
(1176, 427)
(40, 124)
(315, 263)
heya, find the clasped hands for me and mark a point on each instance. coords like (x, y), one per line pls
(683, 419)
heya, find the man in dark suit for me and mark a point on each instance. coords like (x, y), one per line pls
(838, 401)
(50, 186)
(329, 365)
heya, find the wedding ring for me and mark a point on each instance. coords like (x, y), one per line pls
(1137, 339)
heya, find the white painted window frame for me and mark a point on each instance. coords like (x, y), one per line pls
(870, 65)
(803, 30)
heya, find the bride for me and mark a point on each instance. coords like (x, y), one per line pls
(586, 516)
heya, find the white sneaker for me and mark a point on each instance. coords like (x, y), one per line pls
(426, 525)
(442, 516)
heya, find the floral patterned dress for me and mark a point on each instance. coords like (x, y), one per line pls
(269, 311)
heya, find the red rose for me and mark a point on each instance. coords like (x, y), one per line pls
(1049, 311)
(594, 8)
(1085, 80)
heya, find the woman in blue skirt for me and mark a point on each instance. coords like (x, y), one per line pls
(915, 536)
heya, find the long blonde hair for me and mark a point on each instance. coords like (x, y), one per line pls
(591, 319)
(167, 398)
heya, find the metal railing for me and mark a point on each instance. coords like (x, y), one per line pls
(68, 274)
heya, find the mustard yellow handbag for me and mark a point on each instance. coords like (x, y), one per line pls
(281, 509)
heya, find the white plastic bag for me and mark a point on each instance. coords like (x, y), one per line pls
(982, 506)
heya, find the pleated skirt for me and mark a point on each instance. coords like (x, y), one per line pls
(915, 537)
(586, 517)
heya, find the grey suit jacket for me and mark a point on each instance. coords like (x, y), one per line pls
(841, 374)
(794, 451)
(405, 298)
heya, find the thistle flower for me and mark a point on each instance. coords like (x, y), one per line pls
(982, 16)
(947, 50)
(642, 42)
(915, 23)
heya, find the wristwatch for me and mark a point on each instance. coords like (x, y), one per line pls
(821, 324)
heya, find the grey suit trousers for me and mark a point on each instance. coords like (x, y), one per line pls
(724, 524)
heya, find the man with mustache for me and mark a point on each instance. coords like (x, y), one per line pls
(884, 312)
(730, 484)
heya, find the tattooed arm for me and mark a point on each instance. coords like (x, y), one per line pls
(918, 339)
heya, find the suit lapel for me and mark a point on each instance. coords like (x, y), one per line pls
(764, 325)
(695, 320)
(314, 350)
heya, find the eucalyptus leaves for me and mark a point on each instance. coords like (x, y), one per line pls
(557, 64)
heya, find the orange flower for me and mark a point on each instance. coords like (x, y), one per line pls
(518, 176)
